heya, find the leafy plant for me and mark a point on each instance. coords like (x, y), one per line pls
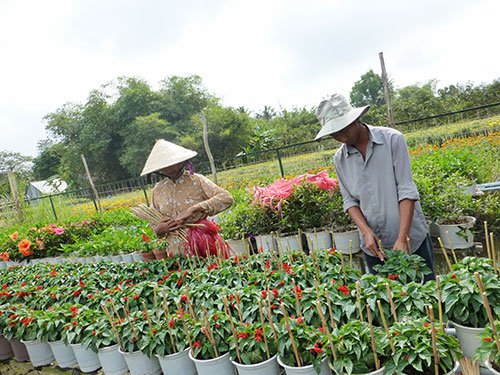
(353, 347)
(209, 334)
(253, 341)
(461, 296)
(310, 342)
(488, 350)
(403, 267)
(413, 349)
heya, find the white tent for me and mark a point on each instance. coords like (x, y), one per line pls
(37, 189)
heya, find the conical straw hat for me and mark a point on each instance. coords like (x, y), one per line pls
(164, 154)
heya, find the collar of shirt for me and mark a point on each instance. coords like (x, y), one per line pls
(374, 136)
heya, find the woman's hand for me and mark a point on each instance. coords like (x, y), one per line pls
(185, 216)
(166, 226)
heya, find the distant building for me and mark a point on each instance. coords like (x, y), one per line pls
(38, 189)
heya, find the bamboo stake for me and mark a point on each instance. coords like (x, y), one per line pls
(155, 301)
(262, 322)
(235, 336)
(130, 323)
(469, 367)
(343, 268)
(240, 316)
(440, 304)
(294, 345)
(188, 302)
(391, 302)
(452, 249)
(326, 329)
(358, 299)
(186, 331)
(494, 252)
(350, 253)
(297, 299)
(168, 318)
(434, 341)
(148, 319)
(113, 327)
(208, 331)
(372, 335)
(445, 254)
(488, 308)
(488, 248)
(330, 310)
(386, 327)
(270, 319)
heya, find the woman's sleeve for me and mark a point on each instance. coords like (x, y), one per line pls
(218, 199)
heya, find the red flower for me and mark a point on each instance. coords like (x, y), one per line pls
(197, 344)
(454, 276)
(275, 292)
(258, 338)
(317, 348)
(171, 323)
(14, 236)
(281, 283)
(243, 335)
(488, 339)
(73, 308)
(4, 256)
(393, 276)
(300, 320)
(263, 294)
(322, 329)
(145, 238)
(184, 298)
(343, 289)
(136, 296)
(53, 272)
(76, 293)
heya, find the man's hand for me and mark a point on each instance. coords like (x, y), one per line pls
(401, 245)
(372, 243)
(166, 226)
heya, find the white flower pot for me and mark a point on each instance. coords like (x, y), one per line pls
(6, 351)
(217, 366)
(453, 370)
(288, 243)
(457, 236)
(116, 258)
(19, 349)
(112, 361)
(137, 256)
(468, 338)
(237, 246)
(64, 355)
(268, 367)
(140, 364)
(39, 352)
(127, 258)
(265, 243)
(87, 359)
(343, 241)
(380, 371)
(319, 240)
(306, 370)
(178, 363)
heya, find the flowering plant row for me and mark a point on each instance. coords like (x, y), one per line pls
(256, 306)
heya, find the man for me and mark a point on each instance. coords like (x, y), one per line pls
(373, 169)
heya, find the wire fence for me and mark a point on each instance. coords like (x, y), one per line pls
(53, 205)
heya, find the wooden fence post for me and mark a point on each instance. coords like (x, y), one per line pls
(15, 195)
(92, 186)
(387, 94)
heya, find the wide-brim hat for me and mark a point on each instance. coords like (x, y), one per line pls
(164, 154)
(335, 113)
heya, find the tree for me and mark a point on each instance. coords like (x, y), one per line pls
(47, 163)
(14, 162)
(139, 138)
(369, 90)
(267, 113)
(417, 101)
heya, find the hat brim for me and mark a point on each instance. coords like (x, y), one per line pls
(338, 123)
(156, 166)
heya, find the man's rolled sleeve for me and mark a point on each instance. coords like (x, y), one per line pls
(402, 169)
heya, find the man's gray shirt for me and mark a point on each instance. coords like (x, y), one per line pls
(377, 184)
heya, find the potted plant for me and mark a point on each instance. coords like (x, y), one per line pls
(253, 349)
(301, 348)
(415, 353)
(210, 349)
(22, 325)
(403, 267)
(488, 351)
(462, 300)
(354, 349)
(51, 324)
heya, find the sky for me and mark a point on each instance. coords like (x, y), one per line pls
(279, 53)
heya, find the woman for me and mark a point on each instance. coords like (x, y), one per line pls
(183, 197)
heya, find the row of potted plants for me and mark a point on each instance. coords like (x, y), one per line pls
(269, 305)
